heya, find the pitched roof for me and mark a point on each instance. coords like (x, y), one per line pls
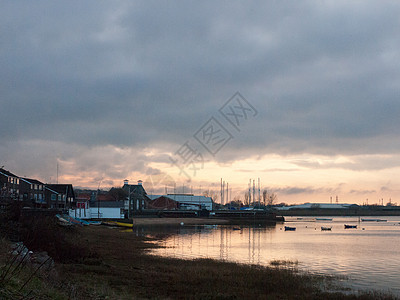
(7, 173)
(104, 197)
(134, 188)
(61, 188)
(31, 181)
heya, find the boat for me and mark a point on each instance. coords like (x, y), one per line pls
(62, 221)
(122, 224)
(373, 220)
(288, 228)
(323, 219)
(83, 222)
(117, 224)
(108, 223)
(349, 226)
(326, 228)
(94, 222)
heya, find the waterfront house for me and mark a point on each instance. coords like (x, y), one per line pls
(59, 196)
(98, 210)
(137, 197)
(9, 185)
(32, 192)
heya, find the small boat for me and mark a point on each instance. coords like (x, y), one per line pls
(373, 220)
(64, 219)
(84, 222)
(122, 224)
(117, 224)
(326, 228)
(349, 226)
(323, 219)
(94, 222)
(236, 228)
(108, 223)
(288, 228)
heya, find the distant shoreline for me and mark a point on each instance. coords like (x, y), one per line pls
(338, 212)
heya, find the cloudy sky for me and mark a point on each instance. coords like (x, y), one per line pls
(114, 90)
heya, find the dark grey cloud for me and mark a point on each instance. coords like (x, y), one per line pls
(324, 77)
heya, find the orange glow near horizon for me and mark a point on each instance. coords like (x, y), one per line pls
(295, 179)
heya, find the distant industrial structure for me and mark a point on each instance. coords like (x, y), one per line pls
(318, 206)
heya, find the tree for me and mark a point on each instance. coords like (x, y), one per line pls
(269, 199)
(213, 195)
(246, 198)
(235, 204)
(265, 195)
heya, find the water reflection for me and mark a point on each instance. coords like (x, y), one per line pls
(369, 255)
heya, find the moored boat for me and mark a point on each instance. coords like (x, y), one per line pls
(288, 228)
(122, 224)
(326, 228)
(346, 226)
(118, 224)
(373, 220)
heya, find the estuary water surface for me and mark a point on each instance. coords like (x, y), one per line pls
(369, 255)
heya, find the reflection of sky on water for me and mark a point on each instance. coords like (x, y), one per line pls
(369, 255)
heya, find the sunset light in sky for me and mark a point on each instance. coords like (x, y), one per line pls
(303, 95)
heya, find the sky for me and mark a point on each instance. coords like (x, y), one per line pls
(301, 94)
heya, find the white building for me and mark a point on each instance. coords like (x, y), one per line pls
(105, 210)
(188, 201)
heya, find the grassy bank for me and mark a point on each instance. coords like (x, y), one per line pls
(111, 264)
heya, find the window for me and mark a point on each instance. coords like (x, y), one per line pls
(53, 197)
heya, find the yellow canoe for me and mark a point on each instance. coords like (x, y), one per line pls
(121, 224)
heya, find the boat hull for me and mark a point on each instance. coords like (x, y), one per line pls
(287, 228)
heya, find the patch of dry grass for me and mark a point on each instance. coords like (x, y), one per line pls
(111, 264)
(126, 272)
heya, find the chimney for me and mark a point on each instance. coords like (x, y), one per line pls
(126, 182)
(139, 182)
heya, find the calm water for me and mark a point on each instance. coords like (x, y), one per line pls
(368, 255)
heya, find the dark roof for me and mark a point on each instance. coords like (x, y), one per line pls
(61, 188)
(134, 189)
(104, 197)
(7, 173)
(163, 202)
(30, 181)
